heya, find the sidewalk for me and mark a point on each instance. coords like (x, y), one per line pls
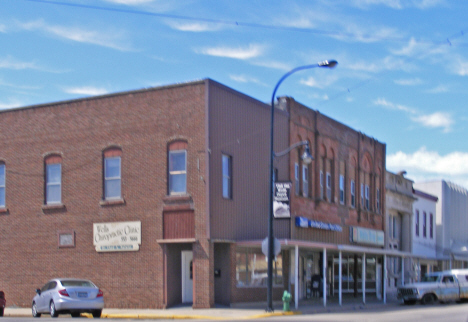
(241, 311)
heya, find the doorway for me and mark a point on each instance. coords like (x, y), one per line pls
(187, 276)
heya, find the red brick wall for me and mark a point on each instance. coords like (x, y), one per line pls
(141, 124)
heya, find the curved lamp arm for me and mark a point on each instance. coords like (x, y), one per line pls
(306, 156)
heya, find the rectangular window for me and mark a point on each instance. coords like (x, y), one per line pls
(362, 196)
(342, 189)
(53, 183)
(296, 178)
(424, 224)
(431, 226)
(251, 269)
(329, 194)
(112, 178)
(321, 184)
(377, 201)
(2, 185)
(417, 222)
(227, 176)
(353, 194)
(177, 172)
(305, 181)
(367, 198)
(394, 224)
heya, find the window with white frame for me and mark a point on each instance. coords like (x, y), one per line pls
(367, 198)
(417, 222)
(227, 176)
(353, 194)
(362, 196)
(112, 178)
(424, 224)
(342, 189)
(431, 226)
(53, 183)
(251, 268)
(177, 172)
(394, 227)
(329, 189)
(321, 184)
(305, 180)
(2, 185)
(296, 178)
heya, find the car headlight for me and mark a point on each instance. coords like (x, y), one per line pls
(415, 291)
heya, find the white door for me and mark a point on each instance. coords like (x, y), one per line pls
(187, 276)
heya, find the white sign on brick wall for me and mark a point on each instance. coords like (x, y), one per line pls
(117, 236)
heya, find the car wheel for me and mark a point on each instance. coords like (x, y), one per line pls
(410, 302)
(75, 314)
(428, 299)
(34, 311)
(52, 310)
(1, 311)
(97, 314)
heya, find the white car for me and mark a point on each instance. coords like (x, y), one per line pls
(68, 296)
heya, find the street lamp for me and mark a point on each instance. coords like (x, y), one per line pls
(326, 64)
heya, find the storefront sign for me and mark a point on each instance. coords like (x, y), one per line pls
(367, 236)
(309, 223)
(117, 236)
(281, 200)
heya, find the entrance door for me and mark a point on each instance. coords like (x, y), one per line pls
(378, 281)
(187, 276)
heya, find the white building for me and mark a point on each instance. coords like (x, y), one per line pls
(424, 232)
(451, 223)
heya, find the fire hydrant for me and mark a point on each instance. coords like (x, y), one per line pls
(286, 300)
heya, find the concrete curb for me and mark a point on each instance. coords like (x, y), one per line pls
(185, 317)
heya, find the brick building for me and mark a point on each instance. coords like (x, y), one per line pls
(159, 196)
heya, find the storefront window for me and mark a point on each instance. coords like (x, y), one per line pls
(252, 269)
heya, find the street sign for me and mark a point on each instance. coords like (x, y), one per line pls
(276, 247)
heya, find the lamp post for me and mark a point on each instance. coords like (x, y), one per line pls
(326, 64)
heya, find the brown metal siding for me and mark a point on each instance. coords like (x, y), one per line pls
(179, 225)
(240, 127)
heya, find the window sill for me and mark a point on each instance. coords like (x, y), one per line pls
(112, 202)
(57, 206)
(4, 211)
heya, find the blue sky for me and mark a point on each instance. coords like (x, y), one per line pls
(402, 76)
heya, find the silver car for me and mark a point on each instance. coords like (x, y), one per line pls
(68, 296)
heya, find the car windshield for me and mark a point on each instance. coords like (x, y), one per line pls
(430, 279)
(77, 283)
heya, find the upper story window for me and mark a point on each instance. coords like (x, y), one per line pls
(53, 180)
(296, 178)
(362, 195)
(227, 176)
(177, 171)
(305, 180)
(417, 222)
(2, 185)
(431, 226)
(342, 189)
(394, 226)
(377, 201)
(329, 189)
(321, 184)
(424, 224)
(353, 193)
(113, 174)
(367, 198)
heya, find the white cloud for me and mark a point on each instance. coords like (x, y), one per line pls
(424, 165)
(12, 63)
(399, 4)
(387, 63)
(110, 39)
(252, 51)
(442, 120)
(322, 83)
(246, 79)
(435, 120)
(12, 103)
(272, 64)
(408, 82)
(461, 67)
(194, 27)
(439, 89)
(86, 90)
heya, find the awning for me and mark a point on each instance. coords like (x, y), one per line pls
(459, 251)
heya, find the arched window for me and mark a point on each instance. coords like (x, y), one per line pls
(53, 179)
(2, 185)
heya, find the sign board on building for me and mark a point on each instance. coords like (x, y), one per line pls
(309, 223)
(281, 199)
(117, 236)
(366, 236)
